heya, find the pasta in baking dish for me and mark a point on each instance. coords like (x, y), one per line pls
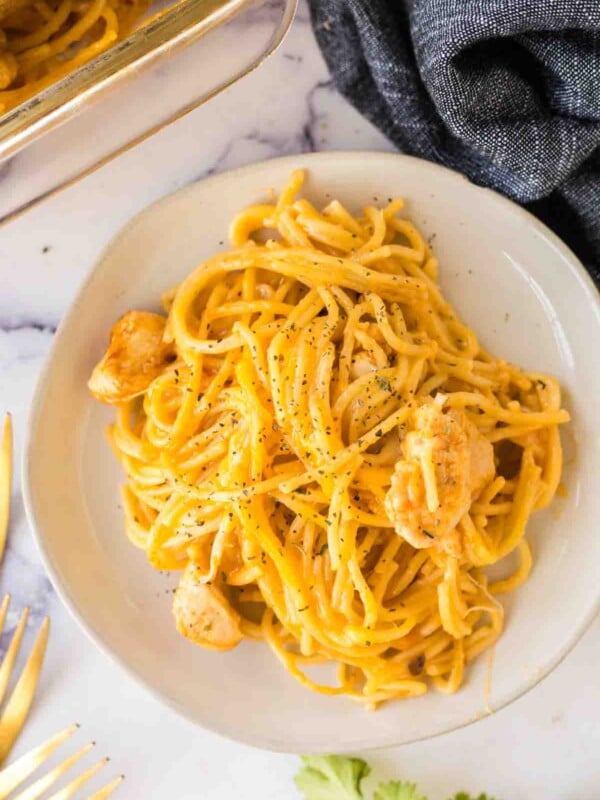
(42, 41)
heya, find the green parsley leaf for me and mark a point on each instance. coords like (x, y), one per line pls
(332, 777)
(340, 778)
(398, 790)
(466, 796)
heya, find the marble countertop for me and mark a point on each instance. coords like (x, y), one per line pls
(546, 745)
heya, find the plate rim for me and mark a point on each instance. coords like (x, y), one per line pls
(294, 161)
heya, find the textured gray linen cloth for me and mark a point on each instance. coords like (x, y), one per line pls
(505, 91)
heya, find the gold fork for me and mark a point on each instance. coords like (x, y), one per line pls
(13, 776)
(16, 711)
(5, 480)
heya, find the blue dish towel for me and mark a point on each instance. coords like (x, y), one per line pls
(505, 91)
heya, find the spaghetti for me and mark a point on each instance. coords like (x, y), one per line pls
(42, 41)
(323, 446)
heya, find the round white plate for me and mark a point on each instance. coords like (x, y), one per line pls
(514, 282)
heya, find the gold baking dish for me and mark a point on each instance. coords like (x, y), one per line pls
(171, 64)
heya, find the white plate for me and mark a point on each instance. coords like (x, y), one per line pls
(513, 281)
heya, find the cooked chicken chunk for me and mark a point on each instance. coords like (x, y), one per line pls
(481, 460)
(203, 614)
(136, 355)
(446, 463)
(361, 365)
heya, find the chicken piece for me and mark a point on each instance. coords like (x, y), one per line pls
(481, 452)
(203, 615)
(362, 364)
(136, 355)
(446, 463)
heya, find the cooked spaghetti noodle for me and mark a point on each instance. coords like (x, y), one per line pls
(41, 41)
(326, 450)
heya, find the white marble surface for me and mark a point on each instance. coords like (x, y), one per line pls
(546, 745)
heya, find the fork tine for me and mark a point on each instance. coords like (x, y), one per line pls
(18, 772)
(4, 611)
(107, 790)
(18, 706)
(5, 480)
(37, 789)
(69, 790)
(8, 662)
